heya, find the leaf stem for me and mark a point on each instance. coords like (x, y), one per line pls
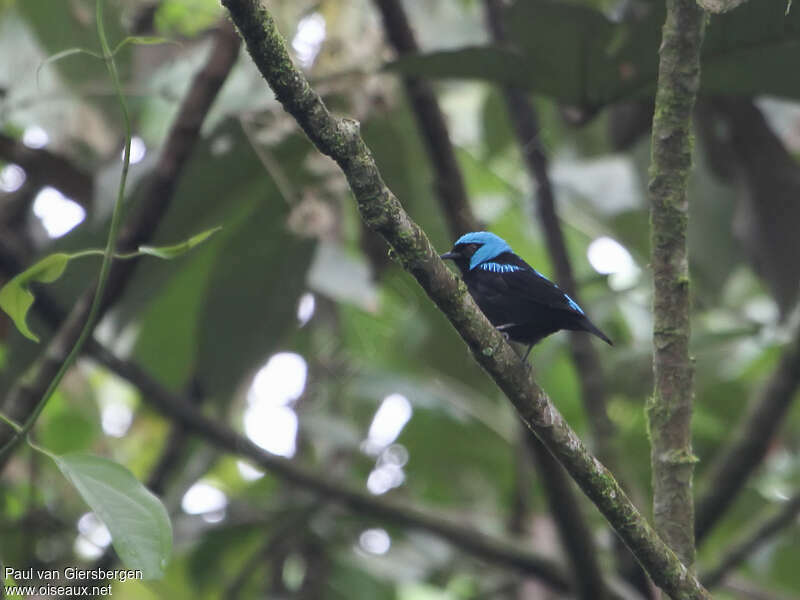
(108, 253)
(10, 422)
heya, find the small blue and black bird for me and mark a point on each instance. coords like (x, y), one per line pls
(515, 297)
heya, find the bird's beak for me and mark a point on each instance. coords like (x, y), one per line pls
(449, 255)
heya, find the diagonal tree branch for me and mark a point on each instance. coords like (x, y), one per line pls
(382, 212)
(753, 540)
(669, 411)
(25, 394)
(730, 472)
(450, 186)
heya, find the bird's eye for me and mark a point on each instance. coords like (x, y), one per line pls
(469, 249)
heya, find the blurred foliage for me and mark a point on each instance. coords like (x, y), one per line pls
(204, 323)
(579, 56)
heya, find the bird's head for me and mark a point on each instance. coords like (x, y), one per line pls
(472, 249)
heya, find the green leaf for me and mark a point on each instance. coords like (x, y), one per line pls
(186, 17)
(169, 325)
(15, 297)
(471, 62)
(169, 252)
(46, 270)
(243, 317)
(139, 525)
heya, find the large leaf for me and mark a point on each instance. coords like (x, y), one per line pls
(168, 327)
(206, 562)
(575, 55)
(139, 525)
(749, 51)
(455, 461)
(251, 300)
(569, 52)
(348, 581)
(202, 201)
(398, 150)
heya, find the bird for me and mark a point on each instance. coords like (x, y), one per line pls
(517, 299)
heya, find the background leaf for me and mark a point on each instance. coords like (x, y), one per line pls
(139, 525)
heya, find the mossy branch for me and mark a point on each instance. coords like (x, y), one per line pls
(670, 409)
(382, 212)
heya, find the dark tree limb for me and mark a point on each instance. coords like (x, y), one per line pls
(573, 530)
(669, 410)
(753, 540)
(139, 228)
(382, 212)
(575, 534)
(730, 472)
(450, 186)
(768, 212)
(44, 167)
(186, 414)
(525, 124)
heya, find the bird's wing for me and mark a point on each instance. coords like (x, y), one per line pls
(529, 286)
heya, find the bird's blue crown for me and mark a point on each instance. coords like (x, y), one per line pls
(491, 246)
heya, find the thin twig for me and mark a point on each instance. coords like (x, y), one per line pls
(525, 123)
(573, 530)
(575, 533)
(70, 349)
(450, 186)
(382, 212)
(23, 398)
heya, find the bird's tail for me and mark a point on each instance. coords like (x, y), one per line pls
(592, 328)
